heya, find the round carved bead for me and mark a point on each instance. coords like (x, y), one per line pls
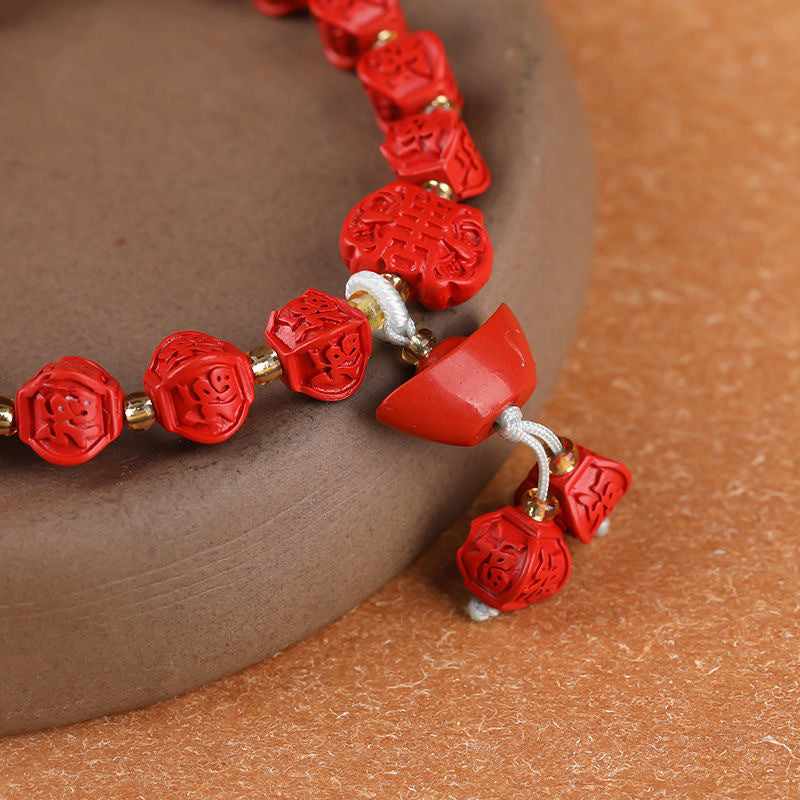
(323, 343)
(404, 75)
(350, 27)
(201, 387)
(69, 411)
(439, 247)
(510, 561)
(278, 8)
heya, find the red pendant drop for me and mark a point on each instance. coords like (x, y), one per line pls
(279, 8)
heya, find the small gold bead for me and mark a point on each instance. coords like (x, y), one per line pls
(537, 509)
(140, 414)
(369, 307)
(400, 285)
(418, 347)
(567, 460)
(7, 425)
(384, 37)
(265, 364)
(441, 103)
(441, 188)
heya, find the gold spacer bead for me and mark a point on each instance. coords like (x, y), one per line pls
(7, 425)
(400, 285)
(369, 307)
(384, 37)
(441, 188)
(265, 364)
(537, 509)
(567, 460)
(441, 103)
(418, 347)
(140, 413)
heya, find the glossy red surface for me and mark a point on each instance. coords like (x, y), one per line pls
(201, 387)
(278, 8)
(436, 146)
(69, 411)
(404, 75)
(510, 561)
(349, 27)
(586, 495)
(439, 247)
(323, 344)
(457, 398)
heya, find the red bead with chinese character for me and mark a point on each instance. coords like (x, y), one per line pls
(201, 386)
(404, 75)
(510, 561)
(587, 494)
(455, 398)
(323, 344)
(436, 146)
(279, 8)
(439, 247)
(349, 27)
(69, 411)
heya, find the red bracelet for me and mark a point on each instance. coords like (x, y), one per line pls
(411, 240)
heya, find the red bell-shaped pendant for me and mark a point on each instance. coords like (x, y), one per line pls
(460, 389)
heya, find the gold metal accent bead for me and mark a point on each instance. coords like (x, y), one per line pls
(441, 188)
(369, 307)
(400, 285)
(140, 414)
(419, 346)
(265, 364)
(567, 460)
(537, 509)
(441, 103)
(7, 425)
(384, 37)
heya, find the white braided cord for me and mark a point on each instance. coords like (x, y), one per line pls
(398, 327)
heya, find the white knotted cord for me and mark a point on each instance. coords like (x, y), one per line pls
(398, 327)
(511, 426)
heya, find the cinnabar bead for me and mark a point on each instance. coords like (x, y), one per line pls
(323, 344)
(436, 146)
(439, 247)
(279, 8)
(456, 398)
(348, 27)
(510, 561)
(201, 386)
(587, 494)
(69, 411)
(402, 76)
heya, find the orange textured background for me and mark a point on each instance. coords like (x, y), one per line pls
(668, 666)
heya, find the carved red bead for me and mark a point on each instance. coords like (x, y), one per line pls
(436, 146)
(587, 494)
(510, 561)
(402, 76)
(69, 411)
(278, 8)
(439, 247)
(201, 386)
(456, 397)
(323, 344)
(349, 27)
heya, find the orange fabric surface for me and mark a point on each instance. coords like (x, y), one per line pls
(668, 665)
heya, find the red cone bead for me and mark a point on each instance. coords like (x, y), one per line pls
(587, 494)
(439, 247)
(436, 146)
(201, 387)
(402, 76)
(323, 344)
(69, 411)
(349, 27)
(279, 8)
(510, 561)
(457, 398)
